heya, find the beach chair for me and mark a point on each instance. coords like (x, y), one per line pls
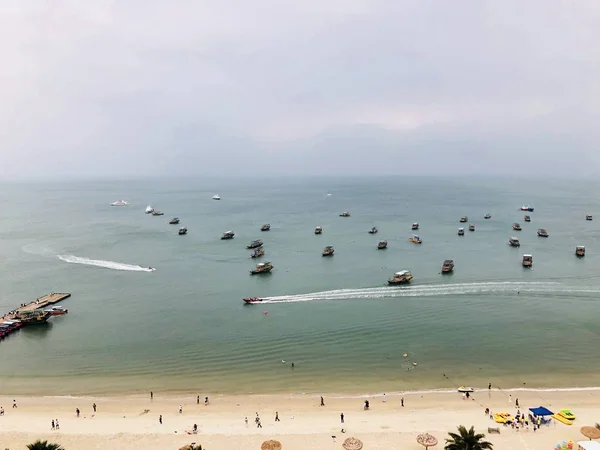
(493, 430)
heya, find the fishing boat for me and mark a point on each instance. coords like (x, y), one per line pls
(580, 250)
(382, 245)
(448, 266)
(216, 197)
(257, 253)
(527, 208)
(373, 230)
(149, 209)
(471, 227)
(318, 230)
(156, 212)
(35, 317)
(461, 231)
(174, 221)
(345, 214)
(57, 310)
(255, 244)
(527, 218)
(182, 231)
(542, 233)
(589, 217)
(265, 227)
(527, 261)
(262, 268)
(487, 216)
(119, 203)
(328, 251)
(416, 239)
(251, 300)
(516, 227)
(415, 226)
(514, 242)
(464, 219)
(228, 235)
(402, 277)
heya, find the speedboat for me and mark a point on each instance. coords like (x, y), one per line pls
(182, 231)
(318, 230)
(463, 389)
(464, 219)
(415, 226)
(527, 218)
(119, 203)
(265, 227)
(261, 268)
(588, 217)
(382, 245)
(448, 266)
(471, 227)
(345, 214)
(157, 213)
(255, 244)
(514, 242)
(373, 230)
(580, 250)
(487, 216)
(416, 239)
(257, 253)
(250, 300)
(461, 231)
(227, 235)
(516, 227)
(527, 208)
(216, 197)
(174, 221)
(527, 261)
(328, 251)
(149, 209)
(56, 311)
(542, 233)
(402, 277)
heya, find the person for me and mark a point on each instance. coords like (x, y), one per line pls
(322, 401)
(195, 429)
(342, 417)
(94, 406)
(205, 401)
(258, 424)
(277, 417)
(517, 402)
(402, 402)
(366, 405)
(467, 395)
(293, 365)
(160, 419)
(246, 420)
(198, 400)
(1, 411)
(489, 386)
(53, 424)
(77, 411)
(180, 409)
(384, 397)
(509, 398)
(14, 403)
(57, 426)
(151, 395)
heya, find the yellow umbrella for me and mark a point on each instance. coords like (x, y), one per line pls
(590, 432)
(352, 444)
(271, 445)
(427, 440)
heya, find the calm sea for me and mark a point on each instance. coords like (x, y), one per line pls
(183, 327)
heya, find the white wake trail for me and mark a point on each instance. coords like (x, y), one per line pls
(113, 265)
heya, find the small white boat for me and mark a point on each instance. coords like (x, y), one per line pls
(149, 209)
(119, 203)
(216, 197)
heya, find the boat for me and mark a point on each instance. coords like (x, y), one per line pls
(119, 203)
(318, 230)
(588, 217)
(448, 266)
(35, 317)
(216, 197)
(527, 218)
(562, 419)
(503, 417)
(542, 233)
(402, 277)
(261, 268)
(345, 214)
(255, 244)
(465, 389)
(416, 239)
(373, 230)
(382, 245)
(257, 253)
(471, 227)
(487, 216)
(182, 231)
(251, 300)
(415, 226)
(516, 227)
(57, 311)
(527, 261)
(461, 231)
(580, 250)
(227, 235)
(174, 221)
(567, 414)
(265, 227)
(149, 209)
(328, 251)
(514, 242)
(157, 213)
(464, 219)
(526, 208)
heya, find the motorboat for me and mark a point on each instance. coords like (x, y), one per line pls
(257, 253)
(448, 266)
(402, 277)
(182, 231)
(373, 230)
(251, 300)
(516, 227)
(149, 209)
(265, 227)
(589, 217)
(527, 261)
(527, 218)
(35, 317)
(174, 221)
(262, 268)
(580, 250)
(514, 242)
(328, 251)
(157, 213)
(464, 389)
(487, 216)
(542, 233)
(216, 197)
(227, 235)
(464, 219)
(255, 244)
(382, 245)
(318, 230)
(471, 227)
(527, 208)
(461, 231)
(57, 310)
(416, 239)
(119, 203)
(345, 214)
(415, 226)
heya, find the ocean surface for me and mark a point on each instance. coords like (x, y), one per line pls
(183, 328)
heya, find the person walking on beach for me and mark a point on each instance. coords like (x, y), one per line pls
(14, 403)
(277, 417)
(322, 401)
(180, 409)
(94, 406)
(402, 402)
(489, 386)
(1, 411)
(56, 425)
(205, 401)
(517, 402)
(53, 424)
(198, 400)
(246, 420)
(509, 398)
(342, 417)
(384, 400)
(160, 419)
(151, 395)
(77, 411)
(258, 424)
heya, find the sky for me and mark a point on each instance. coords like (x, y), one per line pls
(113, 88)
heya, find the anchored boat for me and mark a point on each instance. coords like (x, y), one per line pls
(182, 231)
(228, 235)
(461, 231)
(265, 227)
(415, 226)
(402, 277)
(382, 245)
(448, 266)
(255, 244)
(416, 239)
(514, 242)
(318, 230)
(373, 230)
(580, 250)
(345, 214)
(542, 233)
(328, 251)
(174, 221)
(527, 261)
(262, 268)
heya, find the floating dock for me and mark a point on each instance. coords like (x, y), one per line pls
(40, 303)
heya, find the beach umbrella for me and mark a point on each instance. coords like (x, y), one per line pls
(352, 444)
(590, 432)
(427, 440)
(271, 445)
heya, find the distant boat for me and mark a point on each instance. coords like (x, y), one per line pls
(487, 216)
(119, 203)
(415, 226)
(382, 245)
(580, 250)
(156, 212)
(174, 221)
(265, 227)
(589, 217)
(527, 208)
(182, 231)
(216, 197)
(149, 209)
(373, 230)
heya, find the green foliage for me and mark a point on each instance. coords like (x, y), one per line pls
(44, 445)
(467, 440)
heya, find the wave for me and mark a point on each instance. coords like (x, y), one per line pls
(431, 290)
(104, 264)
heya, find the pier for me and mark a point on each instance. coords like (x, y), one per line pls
(40, 303)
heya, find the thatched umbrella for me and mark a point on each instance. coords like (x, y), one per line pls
(352, 444)
(590, 432)
(427, 440)
(271, 445)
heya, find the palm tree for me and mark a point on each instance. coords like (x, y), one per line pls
(44, 445)
(467, 440)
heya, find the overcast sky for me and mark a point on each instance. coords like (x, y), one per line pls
(184, 87)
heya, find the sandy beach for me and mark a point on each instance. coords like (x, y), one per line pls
(133, 422)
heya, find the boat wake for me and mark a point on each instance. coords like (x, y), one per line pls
(431, 290)
(104, 264)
